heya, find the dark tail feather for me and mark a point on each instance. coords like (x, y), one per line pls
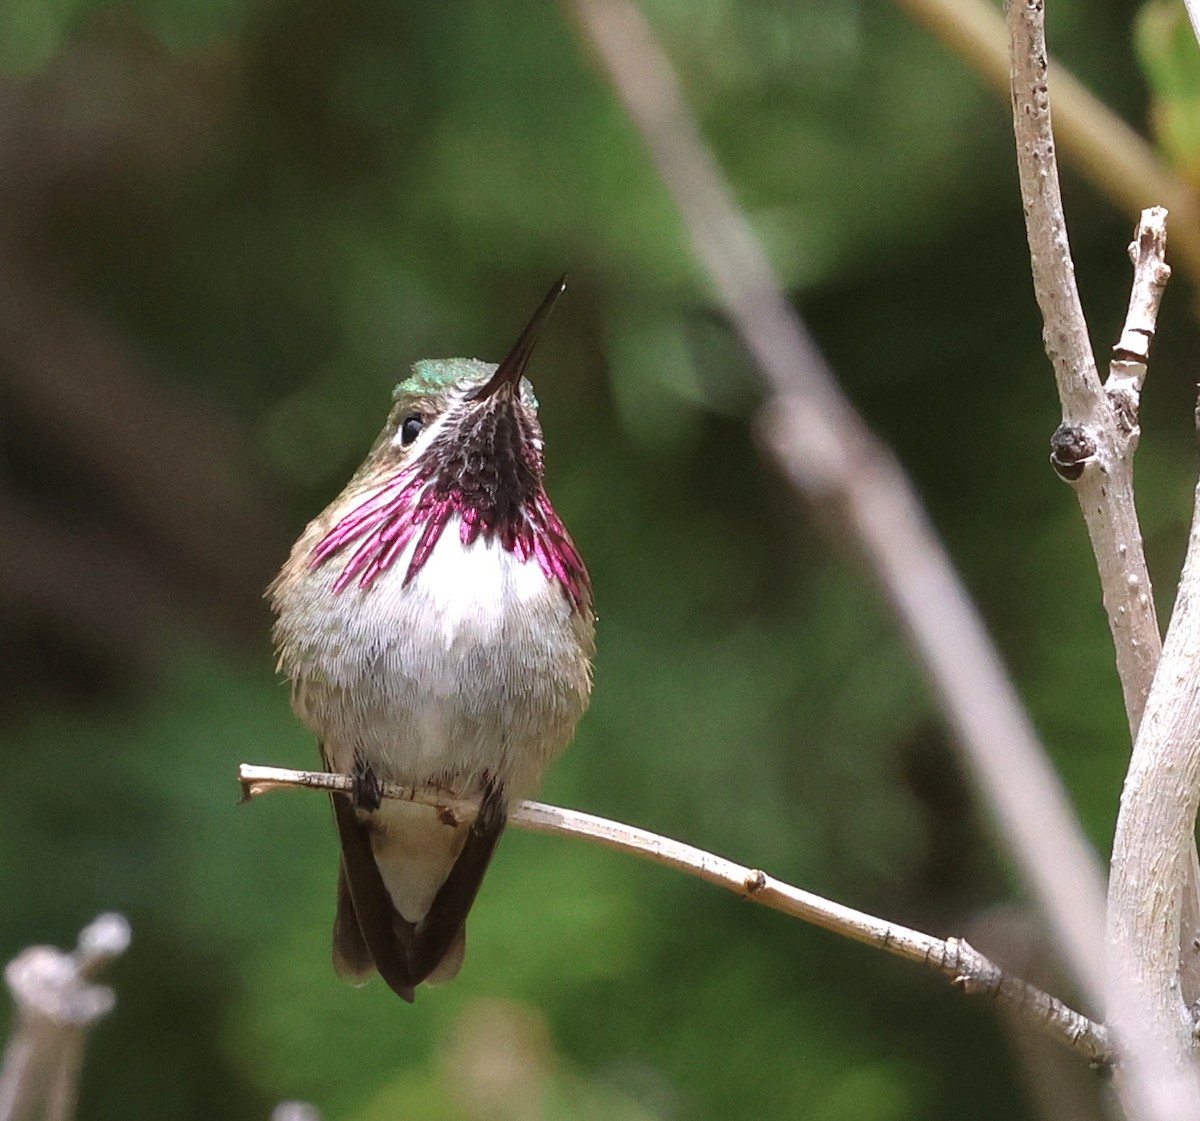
(436, 932)
(368, 930)
(382, 932)
(351, 958)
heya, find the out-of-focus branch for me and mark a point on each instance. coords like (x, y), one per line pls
(954, 958)
(1110, 154)
(84, 397)
(295, 1111)
(1193, 11)
(57, 1004)
(849, 476)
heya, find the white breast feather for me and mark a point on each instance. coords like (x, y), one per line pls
(468, 666)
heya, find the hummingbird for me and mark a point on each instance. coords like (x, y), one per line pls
(437, 625)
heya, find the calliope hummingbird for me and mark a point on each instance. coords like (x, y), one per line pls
(436, 622)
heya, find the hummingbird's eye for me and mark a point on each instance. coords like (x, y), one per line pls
(409, 429)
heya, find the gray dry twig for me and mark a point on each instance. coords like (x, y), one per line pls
(953, 958)
(1093, 448)
(1154, 859)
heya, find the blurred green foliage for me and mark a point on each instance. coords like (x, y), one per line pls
(304, 198)
(1166, 48)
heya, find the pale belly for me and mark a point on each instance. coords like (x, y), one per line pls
(479, 666)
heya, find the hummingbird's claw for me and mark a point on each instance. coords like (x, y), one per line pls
(367, 792)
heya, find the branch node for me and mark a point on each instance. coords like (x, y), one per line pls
(1071, 449)
(1122, 395)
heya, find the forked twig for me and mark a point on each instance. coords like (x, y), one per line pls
(1094, 446)
(1154, 863)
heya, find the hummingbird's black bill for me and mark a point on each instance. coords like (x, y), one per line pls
(510, 370)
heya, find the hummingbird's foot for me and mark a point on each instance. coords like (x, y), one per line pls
(493, 810)
(367, 792)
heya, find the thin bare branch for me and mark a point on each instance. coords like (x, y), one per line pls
(1155, 827)
(954, 958)
(1148, 252)
(1127, 374)
(1153, 859)
(832, 458)
(1094, 446)
(1114, 157)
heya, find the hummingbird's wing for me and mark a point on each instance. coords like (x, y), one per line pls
(381, 931)
(369, 930)
(351, 958)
